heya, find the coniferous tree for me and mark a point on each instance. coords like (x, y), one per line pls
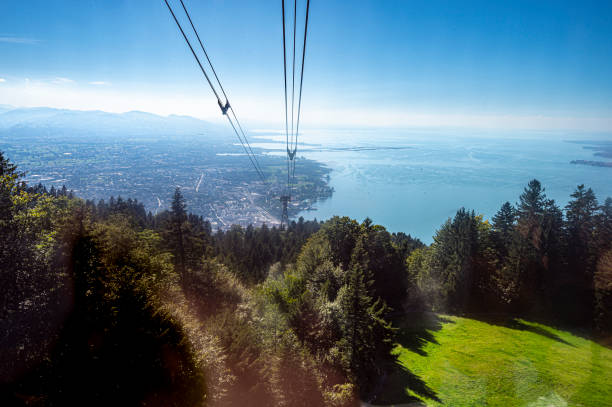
(543, 262)
(530, 212)
(7, 167)
(604, 225)
(366, 336)
(603, 293)
(503, 225)
(603, 272)
(341, 234)
(8, 182)
(581, 226)
(386, 264)
(178, 217)
(553, 252)
(454, 261)
(525, 255)
(504, 233)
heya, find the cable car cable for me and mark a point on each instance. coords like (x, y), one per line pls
(220, 85)
(248, 151)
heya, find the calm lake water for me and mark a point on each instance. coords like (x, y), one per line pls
(413, 181)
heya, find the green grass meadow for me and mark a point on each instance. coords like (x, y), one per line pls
(453, 361)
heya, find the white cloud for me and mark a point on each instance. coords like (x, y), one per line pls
(99, 83)
(61, 81)
(18, 40)
(2, 80)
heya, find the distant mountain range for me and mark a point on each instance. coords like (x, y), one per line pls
(20, 121)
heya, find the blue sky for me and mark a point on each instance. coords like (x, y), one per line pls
(501, 64)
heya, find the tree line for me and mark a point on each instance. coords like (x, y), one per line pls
(532, 259)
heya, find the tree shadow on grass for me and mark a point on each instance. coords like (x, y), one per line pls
(512, 322)
(521, 326)
(399, 385)
(415, 330)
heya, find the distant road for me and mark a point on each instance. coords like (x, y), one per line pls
(213, 210)
(199, 182)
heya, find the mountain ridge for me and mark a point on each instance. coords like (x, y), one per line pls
(98, 122)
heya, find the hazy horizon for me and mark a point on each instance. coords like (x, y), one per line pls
(270, 128)
(392, 64)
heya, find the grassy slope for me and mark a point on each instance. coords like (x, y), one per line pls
(456, 362)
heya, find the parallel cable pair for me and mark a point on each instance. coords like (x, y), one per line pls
(292, 137)
(226, 107)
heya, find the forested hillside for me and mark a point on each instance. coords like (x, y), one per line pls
(106, 304)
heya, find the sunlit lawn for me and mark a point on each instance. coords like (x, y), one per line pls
(456, 361)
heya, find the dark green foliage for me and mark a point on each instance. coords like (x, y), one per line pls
(130, 209)
(32, 304)
(535, 254)
(366, 338)
(603, 293)
(405, 244)
(532, 261)
(459, 264)
(176, 234)
(331, 303)
(186, 236)
(604, 224)
(456, 245)
(116, 345)
(384, 259)
(586, 255)
(503, 227)
(7, 168)
(341, 234)
(581, 214)
(292, 380)
(81, 321)
(245, 357)
(250, 252)
(530, 211)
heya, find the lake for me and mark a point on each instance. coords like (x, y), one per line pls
(412, 181)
